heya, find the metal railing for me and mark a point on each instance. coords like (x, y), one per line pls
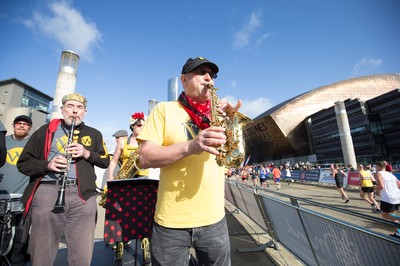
(314, 238)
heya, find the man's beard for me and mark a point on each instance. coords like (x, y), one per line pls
(21, 133)
(68, 121)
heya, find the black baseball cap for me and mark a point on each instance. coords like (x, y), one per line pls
(23, 118)
(193, 63)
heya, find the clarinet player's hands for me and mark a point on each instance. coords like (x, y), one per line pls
(77, 150)
(57, 164)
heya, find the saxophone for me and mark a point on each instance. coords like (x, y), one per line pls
(232, 153)
(129, 170)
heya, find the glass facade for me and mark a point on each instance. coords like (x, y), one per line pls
(374, 126)
(35, 101)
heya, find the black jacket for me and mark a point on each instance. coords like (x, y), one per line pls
(3, 149)
(34, 159)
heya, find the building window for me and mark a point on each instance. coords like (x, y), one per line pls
(35, 101)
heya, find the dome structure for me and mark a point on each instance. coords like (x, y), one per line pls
(281, 131)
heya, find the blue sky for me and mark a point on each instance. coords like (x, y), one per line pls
(267, 50)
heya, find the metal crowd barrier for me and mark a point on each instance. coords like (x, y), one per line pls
(314, 238)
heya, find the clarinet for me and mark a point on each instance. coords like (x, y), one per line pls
(60, 202)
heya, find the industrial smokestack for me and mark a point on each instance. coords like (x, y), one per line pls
(66, 80)
(152, 103)
(173, 89)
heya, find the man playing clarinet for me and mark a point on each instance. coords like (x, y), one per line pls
(44, 159)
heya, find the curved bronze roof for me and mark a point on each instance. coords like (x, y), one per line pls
(280, 131)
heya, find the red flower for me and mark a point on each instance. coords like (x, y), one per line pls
(137, 116)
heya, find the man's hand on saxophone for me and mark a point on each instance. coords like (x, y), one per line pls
(228, 109)
(208, 140)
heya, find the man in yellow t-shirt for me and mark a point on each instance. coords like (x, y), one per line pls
(177, 138)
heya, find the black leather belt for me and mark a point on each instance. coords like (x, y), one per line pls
(68, 182)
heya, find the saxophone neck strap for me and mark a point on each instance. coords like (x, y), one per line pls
(199, 113)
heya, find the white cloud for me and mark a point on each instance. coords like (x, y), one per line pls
(365, 64)
(68, 27)
(252, 108)
(26, 22)
(262, 38)
(243, 36)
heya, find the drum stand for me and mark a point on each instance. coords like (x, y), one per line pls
(10, 206)
(7, 232)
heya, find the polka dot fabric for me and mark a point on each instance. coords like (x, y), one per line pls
(130, 209)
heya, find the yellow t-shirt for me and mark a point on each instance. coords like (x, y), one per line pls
(366, 180)
(191, 191)
(126, 151)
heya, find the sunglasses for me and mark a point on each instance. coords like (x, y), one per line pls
(21, 124)
(138, 125)
(202, 71)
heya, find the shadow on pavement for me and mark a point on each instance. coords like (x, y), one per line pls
(103, 255)
(239, 239)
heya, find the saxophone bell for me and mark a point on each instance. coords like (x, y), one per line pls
(232, 153)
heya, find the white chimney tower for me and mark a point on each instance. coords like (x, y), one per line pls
(66, 80)
(152, 103)
(173, 89)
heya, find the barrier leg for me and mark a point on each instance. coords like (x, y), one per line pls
(258, 249)
(235, 211)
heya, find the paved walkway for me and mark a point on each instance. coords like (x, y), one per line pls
(245, 234)
(239, 238)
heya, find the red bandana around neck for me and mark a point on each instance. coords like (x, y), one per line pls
(198, 112)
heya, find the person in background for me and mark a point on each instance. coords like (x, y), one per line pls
(254, 172)
(263, 176)
(12, 182)
(244, 174)
(127, 146)
(276, 173)
(350, 168)
(3, 148)
(338, 174)
(44, 160)
(372, 169)
(389, 186)
(179, 140)
(288, 174)
(367, 187)
(120, 135)
(389, 168)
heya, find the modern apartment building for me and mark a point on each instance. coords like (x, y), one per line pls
(18, 98)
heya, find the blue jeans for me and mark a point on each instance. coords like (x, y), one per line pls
(171, 246)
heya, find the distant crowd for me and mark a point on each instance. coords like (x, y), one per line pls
(307, 166)
(372, 179)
